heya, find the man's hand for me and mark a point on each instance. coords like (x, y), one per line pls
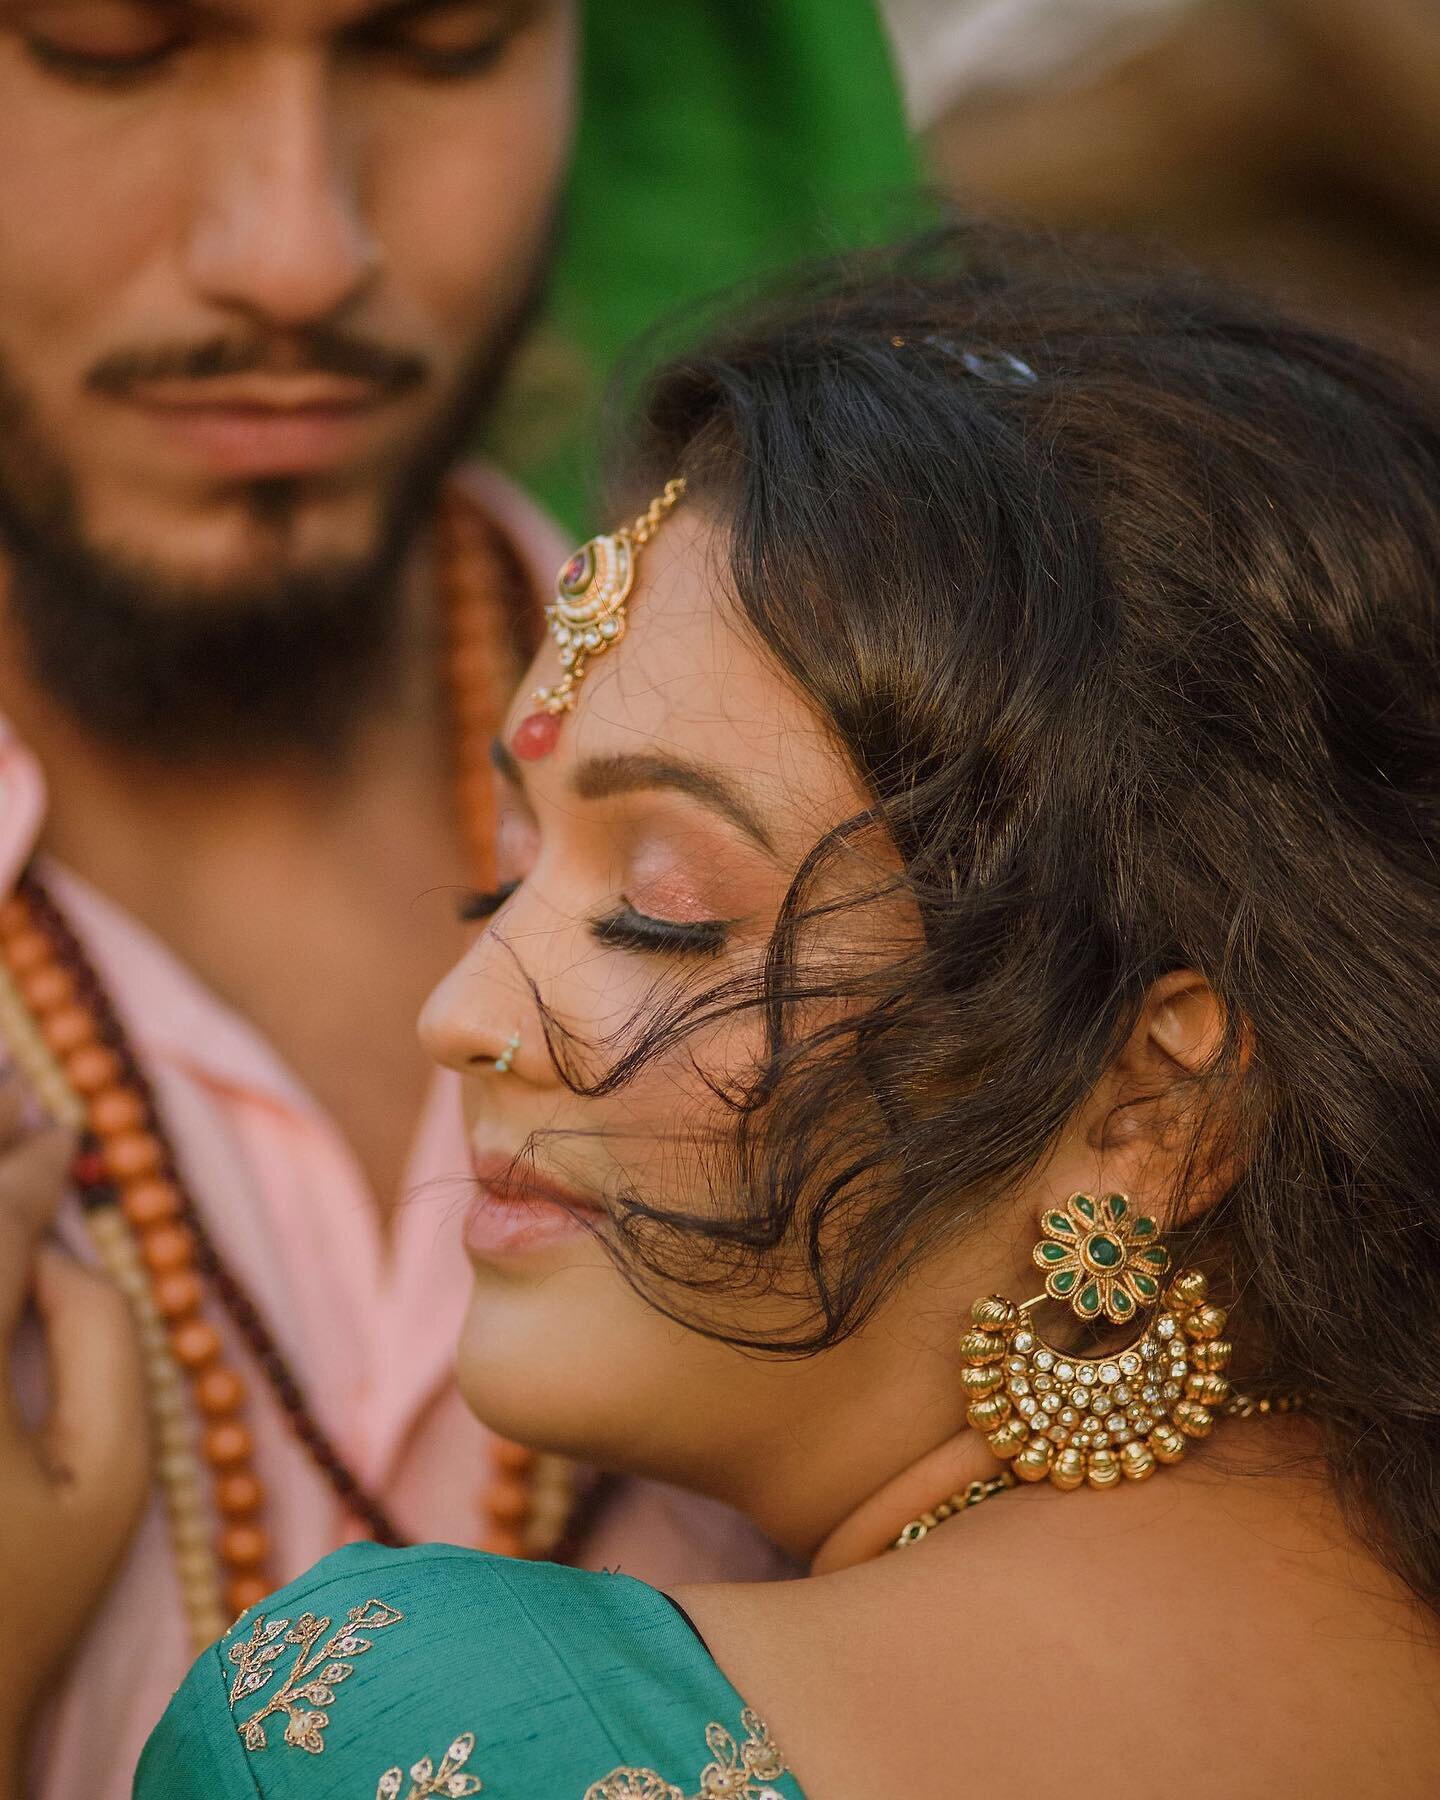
(71, 1487)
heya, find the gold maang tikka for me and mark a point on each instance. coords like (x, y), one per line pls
(1092, 1419)
(588, 616)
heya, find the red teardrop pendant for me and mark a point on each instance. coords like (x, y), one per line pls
(536, 736)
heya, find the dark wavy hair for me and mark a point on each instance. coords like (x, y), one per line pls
(1121, 593)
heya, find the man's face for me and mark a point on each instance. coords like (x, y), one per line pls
(256, 256)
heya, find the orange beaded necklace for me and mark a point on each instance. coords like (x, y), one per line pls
(66, 1038)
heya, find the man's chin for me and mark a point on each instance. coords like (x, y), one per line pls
(264, 623)
(235, 664)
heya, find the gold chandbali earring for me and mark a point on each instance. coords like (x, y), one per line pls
(1075, 1419)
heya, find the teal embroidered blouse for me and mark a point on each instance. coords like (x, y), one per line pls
(405, 1674)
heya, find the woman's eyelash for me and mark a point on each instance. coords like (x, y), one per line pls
(624, 929)
(627, 929)
(481, 905)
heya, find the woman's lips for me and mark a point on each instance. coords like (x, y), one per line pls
(516, 1211)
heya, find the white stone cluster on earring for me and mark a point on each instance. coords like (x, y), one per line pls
(505, 1060)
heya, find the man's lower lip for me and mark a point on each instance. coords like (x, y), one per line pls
(513, 1226)
(259, 442)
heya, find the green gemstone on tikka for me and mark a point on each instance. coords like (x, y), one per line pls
(1064, 1280)
(1119, 1206)
(1054, 1252)
(1084, 1204)
(1057, 1222)
(1158, 1258)
(1104, 1251)
(1121, 1301)
(1089, 1301)
(1143, 1228)
(1143, 1285)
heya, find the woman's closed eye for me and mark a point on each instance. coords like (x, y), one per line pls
(628, 929)
(624, 929)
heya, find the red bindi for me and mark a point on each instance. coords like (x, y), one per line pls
(536, 736)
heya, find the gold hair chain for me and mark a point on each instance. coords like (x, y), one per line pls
(653, 516)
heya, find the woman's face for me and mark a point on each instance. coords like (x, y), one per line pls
(652, 849)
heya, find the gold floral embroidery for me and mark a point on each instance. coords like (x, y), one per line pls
(446, 1780)
(739, 1771)
(310, 1685)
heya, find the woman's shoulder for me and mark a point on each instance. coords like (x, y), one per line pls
(427, 1671)
(1050, 1644)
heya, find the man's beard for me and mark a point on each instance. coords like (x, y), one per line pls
(284, 663)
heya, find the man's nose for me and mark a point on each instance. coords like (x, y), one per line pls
(278, 230)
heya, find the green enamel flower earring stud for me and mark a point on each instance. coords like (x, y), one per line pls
(1101, 1257)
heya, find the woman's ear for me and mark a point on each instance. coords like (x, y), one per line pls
(1182, 1022)
(1154, 1118)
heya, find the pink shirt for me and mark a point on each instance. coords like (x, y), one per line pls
(368, 1325)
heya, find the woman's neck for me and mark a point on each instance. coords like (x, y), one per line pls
(870, 1528)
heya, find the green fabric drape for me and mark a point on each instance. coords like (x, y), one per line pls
(717, 139)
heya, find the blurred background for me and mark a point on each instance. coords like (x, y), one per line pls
(1293, 144)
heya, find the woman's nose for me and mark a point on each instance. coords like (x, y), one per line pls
(475, 1020)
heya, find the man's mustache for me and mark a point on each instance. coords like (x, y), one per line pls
(320, 350)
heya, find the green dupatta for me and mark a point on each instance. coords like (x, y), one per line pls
(717, 139)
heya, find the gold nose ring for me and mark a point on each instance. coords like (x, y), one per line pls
(505, 1060)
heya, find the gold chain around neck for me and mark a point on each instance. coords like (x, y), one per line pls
(957, 1503)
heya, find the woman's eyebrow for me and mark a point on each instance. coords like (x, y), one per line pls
(600, 776)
